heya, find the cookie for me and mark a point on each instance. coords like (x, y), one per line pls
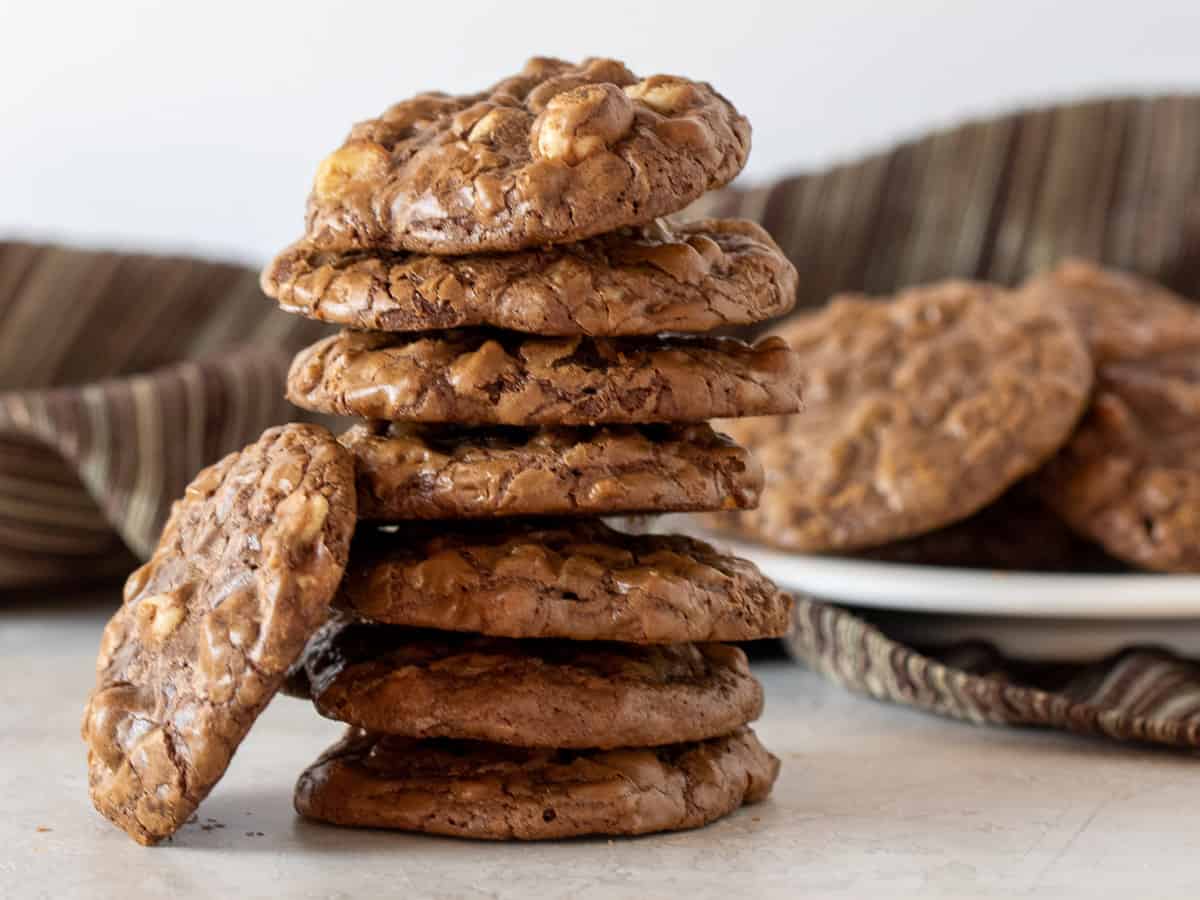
(921, 410)
(1130, 476)
(1015, 533)
(490, 791)
(556, 153)
(1123, 317)
(241, 577)
(483, 377)
(531, 693)
(442, 472)
(576, 579)
(696, 277)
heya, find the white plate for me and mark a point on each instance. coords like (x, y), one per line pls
(1029, 614)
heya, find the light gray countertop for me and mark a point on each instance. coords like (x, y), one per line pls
(872, 801)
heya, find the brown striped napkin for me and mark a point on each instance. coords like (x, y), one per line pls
(121, 375)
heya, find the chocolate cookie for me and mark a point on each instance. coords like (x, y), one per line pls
(490, 791)
(576, 579)
(1130, 476)
(482, 377)
(531, 693)
(556, 153)
(441, 472)
(1015, 533)
(921, 410)
(241, 577)
(690, 278)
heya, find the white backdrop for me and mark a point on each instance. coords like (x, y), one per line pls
(197, 126)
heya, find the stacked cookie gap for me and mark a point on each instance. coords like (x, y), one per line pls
(530, 347)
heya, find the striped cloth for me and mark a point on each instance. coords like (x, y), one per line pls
(121, 375)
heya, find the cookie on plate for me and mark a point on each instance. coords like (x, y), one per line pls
(694, 277)
(442, 472)
(241, 578)
(484, 377)
(491, 791)
(577, 579)
(556, 153)
(1130, 476)
(531, 693)
(919, 411)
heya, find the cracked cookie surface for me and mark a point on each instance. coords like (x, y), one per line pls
(531, 693)
(440, 472)
(1129, 478)
(241, 578)
(483, 377)
(695, 277)
(556, 153)
(490, 791)
(920, 410)
(577, 579)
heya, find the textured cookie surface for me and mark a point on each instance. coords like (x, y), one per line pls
(531, 693)
(577, 579)
(242, 576)
(437, 472)
(490, 791)
(921, 410)
(484, 377)
(687, 278)
(556, 153)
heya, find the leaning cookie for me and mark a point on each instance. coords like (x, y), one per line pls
(556, 153)
(576, 579)
(920, 410)
(442, 472)
(242, 576)
(696, 277)
(485, 377)
(529, 693)
(489, 791)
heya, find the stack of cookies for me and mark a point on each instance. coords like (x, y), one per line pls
(521, 337)
(510, 666)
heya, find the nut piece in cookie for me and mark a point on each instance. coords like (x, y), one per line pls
(655, 278)
(483, 377)
(489, 791)
(919, 411)
(242, 576)
(530, 693)
(577, 579)
(442, 472)
(1130, 476)
(556, 153)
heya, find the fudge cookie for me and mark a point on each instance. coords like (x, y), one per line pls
(242, 575)
(1123, 317)
(442, 472)
(921, 411)
(1130, 476)
(532, 693)
(479, 790)
(576, 579)
(691, 278)
(482, 377)
(556, 153)
(1015, 533)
